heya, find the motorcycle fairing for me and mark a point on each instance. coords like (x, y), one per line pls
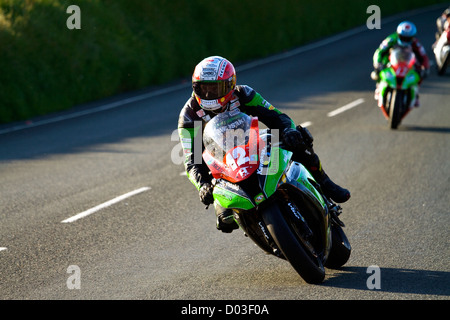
(271, 173)
(388, 81)
(441, 51)
(298, 182)
(399, 75)
(273, 162)
(231, 195)
(270, 164)
(301, 178)
(239, 162)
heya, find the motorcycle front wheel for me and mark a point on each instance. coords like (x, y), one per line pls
(394, 109)
(300, 255)
(445, 63)
(340, 249)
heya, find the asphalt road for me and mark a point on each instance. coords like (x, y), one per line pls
(161, 243)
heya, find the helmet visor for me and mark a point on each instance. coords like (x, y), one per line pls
(212, 90)
(405, 39)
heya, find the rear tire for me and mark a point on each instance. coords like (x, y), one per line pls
(308, 266)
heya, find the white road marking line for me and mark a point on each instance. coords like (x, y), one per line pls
(346, 107)
(306, 124)
(105, 204)
(3, 248)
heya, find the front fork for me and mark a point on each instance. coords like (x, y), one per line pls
(384, 95)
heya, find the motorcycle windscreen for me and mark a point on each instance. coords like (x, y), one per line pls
(231, 141)
(402, 56)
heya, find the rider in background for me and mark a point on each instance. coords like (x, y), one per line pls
(403, 37)
(442, 22)
(215, 91)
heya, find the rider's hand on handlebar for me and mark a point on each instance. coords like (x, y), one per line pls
(375, 75)
(292, 137)
(206, 194)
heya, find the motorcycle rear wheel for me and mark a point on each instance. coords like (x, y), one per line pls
(307, 264)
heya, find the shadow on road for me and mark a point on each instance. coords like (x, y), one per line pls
(394, 280)
(424, 129)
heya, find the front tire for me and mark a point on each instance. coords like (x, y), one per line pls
(394, 109)
(340, 248)
(307, 264)
(443, 68)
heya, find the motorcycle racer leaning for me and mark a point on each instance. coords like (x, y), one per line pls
(404, 37)
(215, 91)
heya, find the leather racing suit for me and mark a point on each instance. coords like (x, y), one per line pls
(381, 55)
(193, 118)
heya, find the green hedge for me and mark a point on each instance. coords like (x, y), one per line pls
(126, 45)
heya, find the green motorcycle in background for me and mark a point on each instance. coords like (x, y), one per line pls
(276, 201)
(398, 85)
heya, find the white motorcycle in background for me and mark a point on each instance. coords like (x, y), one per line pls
(441, 49)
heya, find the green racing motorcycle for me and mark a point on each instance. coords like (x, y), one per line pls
(275, 201)
(398, 85)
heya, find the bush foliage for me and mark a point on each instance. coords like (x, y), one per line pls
(125, 45)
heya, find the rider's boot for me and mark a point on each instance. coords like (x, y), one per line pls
(333, 191)
(376, 95)
(329, 188)
(225, 220)
(417, 102)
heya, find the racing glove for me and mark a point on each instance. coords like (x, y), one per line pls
(307, 138)
(375, 74)
(292, 138)
(206, 193)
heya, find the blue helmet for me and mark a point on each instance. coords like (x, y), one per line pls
(406, 31)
